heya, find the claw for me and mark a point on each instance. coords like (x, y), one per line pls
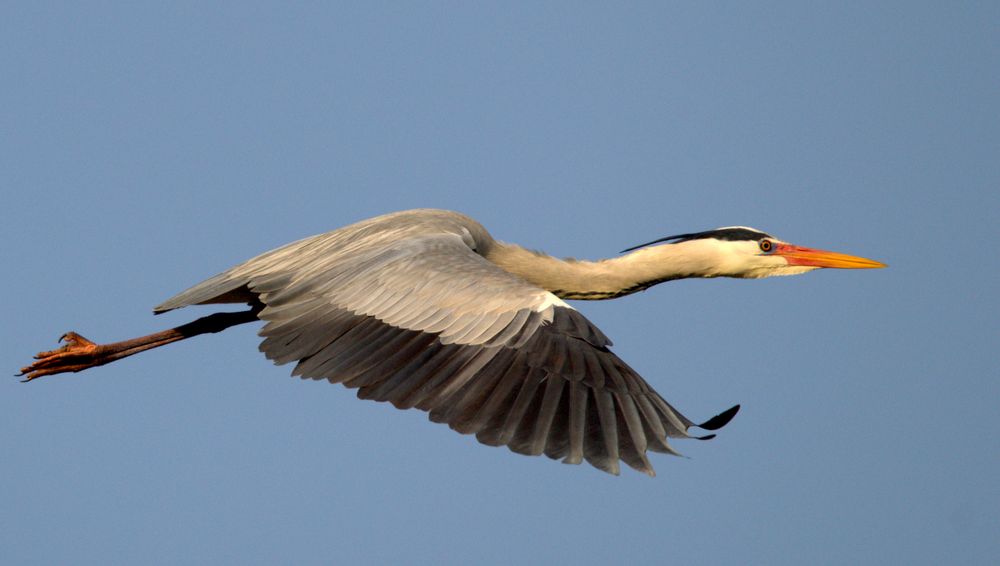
(76, 354)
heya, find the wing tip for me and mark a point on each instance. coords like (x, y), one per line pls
(720, 420)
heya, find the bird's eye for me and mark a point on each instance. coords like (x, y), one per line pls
(766, 246)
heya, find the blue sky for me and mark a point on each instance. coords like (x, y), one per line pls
(144, 148)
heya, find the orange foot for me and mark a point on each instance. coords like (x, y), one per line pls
(77, 354)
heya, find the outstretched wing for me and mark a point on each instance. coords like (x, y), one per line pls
(421, 320)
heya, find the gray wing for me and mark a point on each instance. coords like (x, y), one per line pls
(421, 320)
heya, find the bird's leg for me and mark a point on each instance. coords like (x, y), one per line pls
(78, 353)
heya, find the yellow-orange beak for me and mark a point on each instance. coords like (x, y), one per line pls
(797, 255)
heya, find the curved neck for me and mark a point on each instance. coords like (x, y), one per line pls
(608, 278)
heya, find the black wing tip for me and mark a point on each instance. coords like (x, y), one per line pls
(720, 420)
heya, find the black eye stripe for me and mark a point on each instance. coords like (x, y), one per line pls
(724, 234)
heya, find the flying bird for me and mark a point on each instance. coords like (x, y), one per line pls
(424, 309)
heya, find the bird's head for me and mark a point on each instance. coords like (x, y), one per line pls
(739, 251)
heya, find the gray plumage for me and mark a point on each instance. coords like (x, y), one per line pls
(414, 308)
(424, 309)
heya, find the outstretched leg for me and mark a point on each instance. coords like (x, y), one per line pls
(78, 353)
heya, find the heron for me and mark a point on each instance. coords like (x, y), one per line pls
(425, 309)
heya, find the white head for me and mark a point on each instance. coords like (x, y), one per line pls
(739, 251)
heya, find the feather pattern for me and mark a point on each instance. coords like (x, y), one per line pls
(412, 309)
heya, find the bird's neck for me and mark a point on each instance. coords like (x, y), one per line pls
(607, 278)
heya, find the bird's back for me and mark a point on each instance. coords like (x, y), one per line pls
(317, 253)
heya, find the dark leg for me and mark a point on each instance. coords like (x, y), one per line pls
(79, 353)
